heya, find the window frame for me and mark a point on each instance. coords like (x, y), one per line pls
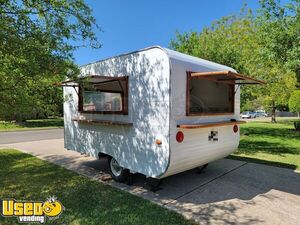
(124, 96)
(231, 96)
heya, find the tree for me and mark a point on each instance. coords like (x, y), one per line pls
(236, 41)
(36, 50)
(294, 102)
(280, 84)
(278, 28)
(278, 35)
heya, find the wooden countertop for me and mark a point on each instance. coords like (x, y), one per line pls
(205, 125)
(102, 122)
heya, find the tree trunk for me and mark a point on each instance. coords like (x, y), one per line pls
(273, 112)
(20, 119)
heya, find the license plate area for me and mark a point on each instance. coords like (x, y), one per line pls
(213, 136)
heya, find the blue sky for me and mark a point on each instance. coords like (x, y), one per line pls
(129, 25)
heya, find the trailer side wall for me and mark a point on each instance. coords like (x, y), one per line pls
(133, 146)
(196, 149)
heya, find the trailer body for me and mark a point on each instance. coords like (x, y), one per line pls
(159, 94)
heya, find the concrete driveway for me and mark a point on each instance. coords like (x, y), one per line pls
(228, 192)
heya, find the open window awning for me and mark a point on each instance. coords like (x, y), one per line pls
(105, 83)
(93, 79)
(226, 77)
(97, 79)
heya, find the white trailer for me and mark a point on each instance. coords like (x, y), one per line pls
(155, 111)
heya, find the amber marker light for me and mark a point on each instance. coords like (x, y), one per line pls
(158, 142)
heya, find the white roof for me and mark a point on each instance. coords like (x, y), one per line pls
(195, 60)
(177, 56)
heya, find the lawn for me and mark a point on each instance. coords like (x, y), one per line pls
(32, 124)
(270, 143)
(88, 202)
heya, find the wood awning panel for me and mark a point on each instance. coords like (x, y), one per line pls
(206, 125)
(102, 122)
(226, 77)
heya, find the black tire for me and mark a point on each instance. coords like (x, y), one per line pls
(121, 174)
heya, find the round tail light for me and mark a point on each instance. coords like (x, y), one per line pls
(235, 128)
(179, 136)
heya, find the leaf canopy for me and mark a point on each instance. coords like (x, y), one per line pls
(36, 50)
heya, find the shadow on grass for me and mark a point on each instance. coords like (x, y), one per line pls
(252, 147)
(279, 143)
(24, 177)
(261, 161)
(279, 132)
(273, 139)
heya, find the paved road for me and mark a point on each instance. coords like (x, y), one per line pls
(34, 135)
(228, 192)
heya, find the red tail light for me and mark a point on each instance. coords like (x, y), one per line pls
(179, 136)
(235, 128)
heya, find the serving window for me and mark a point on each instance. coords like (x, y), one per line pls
(106, 95)
(208, 97)
(212, 93)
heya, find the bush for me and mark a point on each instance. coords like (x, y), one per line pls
(294, 102)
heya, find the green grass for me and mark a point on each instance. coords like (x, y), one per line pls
(270, 143)
(87, 202)
(32, 124)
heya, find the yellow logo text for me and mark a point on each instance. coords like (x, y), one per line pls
(31, 211)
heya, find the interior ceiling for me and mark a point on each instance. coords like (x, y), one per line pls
(226, 76)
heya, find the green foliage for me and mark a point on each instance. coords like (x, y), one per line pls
(278, 28)
(224, 42)
(252, 45)
(294, 102)
(35, 52)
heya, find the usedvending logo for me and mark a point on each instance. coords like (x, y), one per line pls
(31, 211)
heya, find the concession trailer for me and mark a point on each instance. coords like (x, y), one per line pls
(154, 111)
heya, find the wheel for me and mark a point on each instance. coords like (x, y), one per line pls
(117, 172)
